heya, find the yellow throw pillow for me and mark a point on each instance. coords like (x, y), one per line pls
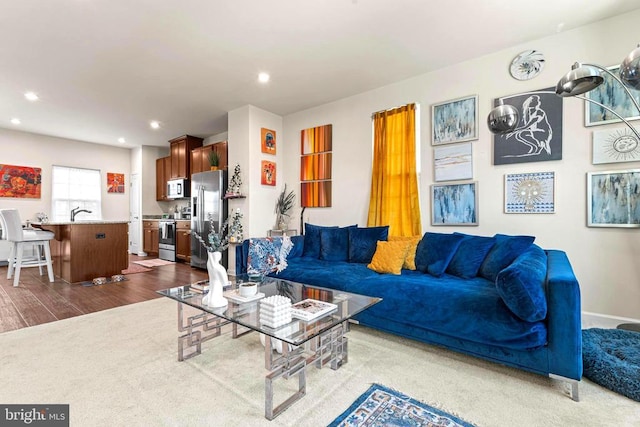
(389, 257)
(410, 260)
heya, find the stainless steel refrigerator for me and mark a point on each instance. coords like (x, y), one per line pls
(207, 198)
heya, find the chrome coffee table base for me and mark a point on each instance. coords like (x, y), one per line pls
(330, 348)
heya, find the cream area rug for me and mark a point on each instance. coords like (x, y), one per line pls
(157, 262)
(119, 367)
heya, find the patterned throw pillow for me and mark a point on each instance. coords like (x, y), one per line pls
(268, 254)
(389, 257)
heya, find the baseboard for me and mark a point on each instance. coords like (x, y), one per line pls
(597, 320)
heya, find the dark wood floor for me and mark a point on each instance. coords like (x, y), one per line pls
(37, 301)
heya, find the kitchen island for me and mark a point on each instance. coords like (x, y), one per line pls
(84, 250)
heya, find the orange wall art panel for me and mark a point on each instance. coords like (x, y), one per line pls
(316, 194)
(115, 182)
(315, 167)
(20, 181)
(316, 140)
(268, 173)
(268, 138)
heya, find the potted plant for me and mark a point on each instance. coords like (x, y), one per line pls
(284, 205)
(214, 160)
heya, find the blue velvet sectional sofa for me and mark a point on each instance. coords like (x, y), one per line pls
(500, 298)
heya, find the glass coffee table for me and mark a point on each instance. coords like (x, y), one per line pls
(290, 348)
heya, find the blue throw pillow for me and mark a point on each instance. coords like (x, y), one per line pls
(363, 241)
(312, 240)
(434, 252)
(470, 254)
(506, 249)
(334, 244)
(522, 285)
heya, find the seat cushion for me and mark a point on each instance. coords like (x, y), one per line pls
(522, 285)
(506, 249)
(362, 242)
(435, 251)
(470, 254)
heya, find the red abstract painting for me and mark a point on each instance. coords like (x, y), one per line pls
(20, 181)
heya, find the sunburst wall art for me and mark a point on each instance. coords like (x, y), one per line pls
(529, 192)
(615, 145)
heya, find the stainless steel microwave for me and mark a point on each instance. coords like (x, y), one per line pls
(178, 188)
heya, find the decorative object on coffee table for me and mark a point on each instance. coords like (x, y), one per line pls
(275, 311)
(218, 241)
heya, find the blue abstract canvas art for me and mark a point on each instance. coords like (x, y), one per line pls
(454, 204)
(455, 121)
(612, 94)
(613, 199)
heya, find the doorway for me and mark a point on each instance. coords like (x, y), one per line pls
(134, 214)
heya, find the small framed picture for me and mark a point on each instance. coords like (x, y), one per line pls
(455, 121)
(268, 141)
(115, 182)
(453, 162)
(268, 173)
(616, 145)
(611, 94)
(613, 198)
(454, 204)
(529, 192)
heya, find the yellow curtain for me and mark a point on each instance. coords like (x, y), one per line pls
(394, 182)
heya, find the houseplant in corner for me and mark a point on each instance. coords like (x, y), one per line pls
(217, 242)
(284, 205)
(214, 160)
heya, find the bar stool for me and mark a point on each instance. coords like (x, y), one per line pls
(24, 238)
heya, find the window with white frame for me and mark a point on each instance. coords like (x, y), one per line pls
(75, 188)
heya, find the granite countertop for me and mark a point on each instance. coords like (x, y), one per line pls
(79, 222)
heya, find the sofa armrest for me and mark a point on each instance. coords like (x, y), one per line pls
(563, 317)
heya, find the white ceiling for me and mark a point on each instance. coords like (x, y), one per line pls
(104, 68)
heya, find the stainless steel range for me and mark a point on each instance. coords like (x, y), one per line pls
(167, 239)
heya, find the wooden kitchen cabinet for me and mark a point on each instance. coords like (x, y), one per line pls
(183, 240)
(151, 233)
(181, 148)
(163, 169)
(200, 157)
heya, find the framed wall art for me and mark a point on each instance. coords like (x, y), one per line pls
(115, 182)
(454, 204)
(615, 145)
(613, 198)
(611, 94)
(538, 136)
(529, 192)
(268, 141)
(268, 173)
(453, 162)
(316, 159)
(22, 182)
(454, 121)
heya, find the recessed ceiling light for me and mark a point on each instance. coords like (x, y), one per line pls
(121, 140)
(15, 121)
(154, 124)
(31, 96)
(263, 77)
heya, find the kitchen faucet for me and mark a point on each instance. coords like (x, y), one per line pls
(76, 211)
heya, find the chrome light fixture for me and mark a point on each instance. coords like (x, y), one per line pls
(582, 78)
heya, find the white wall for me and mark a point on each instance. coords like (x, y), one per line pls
(604, 259)
(28, 149)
